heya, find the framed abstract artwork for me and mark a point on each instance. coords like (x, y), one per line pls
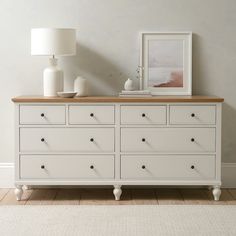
(166, 63)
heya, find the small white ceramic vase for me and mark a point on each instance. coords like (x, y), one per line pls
(81, 87)
(129, 85)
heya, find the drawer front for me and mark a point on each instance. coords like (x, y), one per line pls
(91, 114)
(168, 140)
(195, 115)
(66, 139)
(42, 115)
(143, 114)
(168, 167)
(66, 167)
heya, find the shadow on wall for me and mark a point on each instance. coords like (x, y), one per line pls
(228, 133)
(197, 65)
(104, 77)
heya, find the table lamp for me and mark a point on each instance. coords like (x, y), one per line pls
(53, 42)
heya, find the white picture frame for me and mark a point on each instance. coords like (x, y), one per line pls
(166, 63)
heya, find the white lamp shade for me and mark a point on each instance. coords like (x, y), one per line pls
(47, 41)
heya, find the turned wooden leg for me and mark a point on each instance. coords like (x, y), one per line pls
(18, 192)
(117, 192)
(216, 193)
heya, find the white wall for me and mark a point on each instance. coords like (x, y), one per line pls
(108, 50)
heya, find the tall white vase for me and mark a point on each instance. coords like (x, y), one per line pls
(81, 86)
(52, 79)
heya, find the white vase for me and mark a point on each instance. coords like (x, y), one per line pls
(81, 86)
(52, 79)
(129, 85)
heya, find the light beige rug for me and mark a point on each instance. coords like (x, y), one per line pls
(117, 220)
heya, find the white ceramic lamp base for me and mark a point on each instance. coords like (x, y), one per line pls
(52, 79)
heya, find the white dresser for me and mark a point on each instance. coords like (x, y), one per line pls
(118, 141)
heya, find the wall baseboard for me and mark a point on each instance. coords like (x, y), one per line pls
(7, 175)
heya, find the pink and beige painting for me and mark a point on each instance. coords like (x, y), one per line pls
(165, 63)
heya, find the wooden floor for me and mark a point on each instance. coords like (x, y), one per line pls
(78, 196)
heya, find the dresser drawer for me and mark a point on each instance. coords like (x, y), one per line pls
(143, 115)
(173, 167)
(66, 167)
(91, 114)
(42, 115)
(168, 140)
(194, 114)
(66, 139)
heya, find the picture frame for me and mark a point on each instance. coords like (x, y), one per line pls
(166, 63)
